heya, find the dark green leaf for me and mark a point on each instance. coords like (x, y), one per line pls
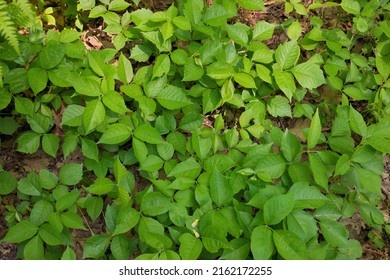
(20, 232)
(220, 190)
(190, 247)
(148, 134)
(96, 246)
(34, 249)
(278, 207)
(40, 212)
(71, 174)
(262, 244)
(8, 183)
(334, 232)
(101, 186)
(154, 203)
(289, 245)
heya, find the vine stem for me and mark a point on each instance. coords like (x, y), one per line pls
(85, 220)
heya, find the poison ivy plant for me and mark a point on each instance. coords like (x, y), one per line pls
(187, 136)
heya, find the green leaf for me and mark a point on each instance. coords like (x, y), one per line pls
(51, 55)
(357, 123)
(290, 146)
(351, 6)
(37, 79)
(71, 173)
(70, 144)
(165, 150)
(87, 86)
(154, 203)
(24, 105)
(40, 212)
(216, 15)
(278, 106)
(96, 62)
(69, 254)
(192, 71)
(214, 239)
(161, 66)
(118, 5)
(101, 186)
(20, 232)
(351, 250)
(8, 183)
(158, 241)
(73, 115)
(94, 115)
(263, 31)
(115, 102)
(127, 219)
(120, 247)
(90, 149)
(115, 134)
(69, 35)
(245, 80)
(307, 196)
(262, 244)
(270, 167)
(190, 247)
(50, 144)
(240, 250)
(152, 163)
(220, 71)
(289, 245)
(29, 142)
(30, 185)
(314, 132)
(238, 33)
(34, 249)
(265, 74)
(96, 246)
(140, 150)
(173, 98)
(72, 220)
(5, 98)
(193, 11)
(343, 164)
(140, 53)
(284, 80)
(39, 123)
(257, 5)
(309, 75)
(189, 168)
(303, 225)
(294, 31)
(125, 69)
(287, 54)
(8, 125)
(50, 235)
(87, 4)
(47, 179)
(148, 134)
(220, 190)
(334, 232)
(182, 23)
(67, 200)
(179, 56)
(277, 208)
(94, 205)
(319, 171)
(369, 180)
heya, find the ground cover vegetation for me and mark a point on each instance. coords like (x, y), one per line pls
(199, 136)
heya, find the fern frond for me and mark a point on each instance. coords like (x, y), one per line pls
(8, 29)
(24, 15)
